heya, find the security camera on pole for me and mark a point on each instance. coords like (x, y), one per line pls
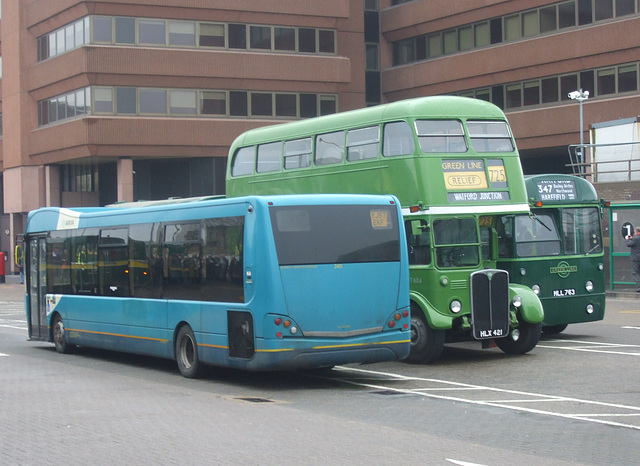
(580, 96)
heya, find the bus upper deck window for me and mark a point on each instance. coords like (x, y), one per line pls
(330, 148)
(397, 139)
(270, 157)
(446, 136)
(243, 162)
(490, 136)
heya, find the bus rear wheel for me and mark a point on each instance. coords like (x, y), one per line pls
(187, 353)
(427, 344)
(59, 337)
(522, 339)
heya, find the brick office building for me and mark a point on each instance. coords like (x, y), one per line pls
(140, 99)
(523, 55)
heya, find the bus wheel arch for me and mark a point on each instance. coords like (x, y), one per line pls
(186, 352)
(58, 335)
(427, 343)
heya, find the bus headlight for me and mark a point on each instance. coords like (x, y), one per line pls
(589, 286)
(444, 281)
(600, 266)
(590, 309)
(523, 271)
(516, 301)
(536, 289)
(455, 306)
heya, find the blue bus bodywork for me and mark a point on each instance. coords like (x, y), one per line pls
(272, 316)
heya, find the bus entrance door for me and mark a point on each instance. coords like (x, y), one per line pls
(37, 289)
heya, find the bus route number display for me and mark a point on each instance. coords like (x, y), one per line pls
(558, 190)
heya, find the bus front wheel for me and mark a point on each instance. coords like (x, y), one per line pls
(521, 340)
(59, 338)
(187, 353)
(426, 343)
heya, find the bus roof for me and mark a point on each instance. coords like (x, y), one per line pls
(560, 188)
(433, 107)
(61, 218)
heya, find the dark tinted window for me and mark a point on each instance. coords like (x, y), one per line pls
(335, 234)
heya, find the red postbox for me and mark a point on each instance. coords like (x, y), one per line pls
(2, 266)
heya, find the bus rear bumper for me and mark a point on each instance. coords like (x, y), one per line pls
(324, 354)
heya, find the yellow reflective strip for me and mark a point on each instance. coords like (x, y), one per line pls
(361, 344)
(274, 350)
(116, 335)
(213, 346)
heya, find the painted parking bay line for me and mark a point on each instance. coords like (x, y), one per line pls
(590, 347)
(564, 407)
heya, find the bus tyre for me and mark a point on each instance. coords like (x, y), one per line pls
(426, 343)
(58, 336)
(187, 353)
(553, 329)
(521, 340)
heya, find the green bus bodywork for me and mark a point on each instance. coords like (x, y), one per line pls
(452, 163)
(558, 252)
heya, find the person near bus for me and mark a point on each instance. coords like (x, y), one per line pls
(19, 261)
(634, 243)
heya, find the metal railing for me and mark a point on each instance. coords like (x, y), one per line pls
(594, 168)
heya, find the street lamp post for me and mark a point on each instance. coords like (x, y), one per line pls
(580, 96)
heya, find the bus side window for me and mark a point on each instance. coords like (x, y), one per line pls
(243, 161)
(418, 242)
(363, 143)
(84, 261)
(397, 139)
(113, 262)
(330, 148)
(181, 261)
(269, 157)
(58, 263)
(297, 153)
(223, 260)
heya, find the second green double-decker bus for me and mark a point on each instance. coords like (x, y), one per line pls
(558, 250)
(453, 164)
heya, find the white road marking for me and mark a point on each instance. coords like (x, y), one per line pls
(632, 411)
(462, 463)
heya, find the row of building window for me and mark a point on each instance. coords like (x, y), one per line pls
(121, 30)
(553, 89)
(543, 20)
(183, 103)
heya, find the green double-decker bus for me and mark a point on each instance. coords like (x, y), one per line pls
(558, 250)
(453, 164)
